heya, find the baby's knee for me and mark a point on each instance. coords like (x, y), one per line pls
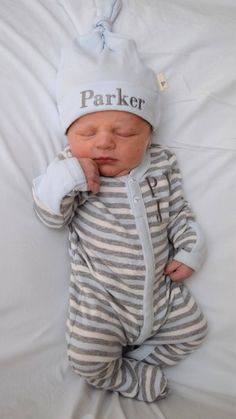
(89, 371)
(198, 335)
(201, 331)
(92, 371)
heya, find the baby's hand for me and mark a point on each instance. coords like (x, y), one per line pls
(178, 271)
(91, 172)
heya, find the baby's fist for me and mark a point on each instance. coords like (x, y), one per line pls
(178, 271)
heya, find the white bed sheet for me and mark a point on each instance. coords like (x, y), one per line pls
(193, 44)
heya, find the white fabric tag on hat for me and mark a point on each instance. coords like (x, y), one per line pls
(162, 80)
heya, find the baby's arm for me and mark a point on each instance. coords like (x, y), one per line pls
(184, 232)
(55, 191)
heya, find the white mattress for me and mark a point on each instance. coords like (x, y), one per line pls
(193, 43)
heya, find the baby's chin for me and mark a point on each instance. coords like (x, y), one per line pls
(107, 171)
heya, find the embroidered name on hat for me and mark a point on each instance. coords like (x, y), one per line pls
(89, 97)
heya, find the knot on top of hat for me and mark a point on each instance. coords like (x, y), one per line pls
(107, 12)
(103, 23)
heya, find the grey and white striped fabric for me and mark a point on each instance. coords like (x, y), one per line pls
(126, 319)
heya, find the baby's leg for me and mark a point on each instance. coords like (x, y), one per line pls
(169, 354)
(183, 331)
(95, 349)
(128, 377)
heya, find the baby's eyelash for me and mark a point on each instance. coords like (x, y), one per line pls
(88, 134)
(126, 134)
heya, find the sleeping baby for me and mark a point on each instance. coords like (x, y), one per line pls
(133, 238)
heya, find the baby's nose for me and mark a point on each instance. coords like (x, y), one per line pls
(105, 140)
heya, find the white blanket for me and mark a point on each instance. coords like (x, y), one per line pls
(193, 44)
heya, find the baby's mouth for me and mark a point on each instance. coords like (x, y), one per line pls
(105, 160)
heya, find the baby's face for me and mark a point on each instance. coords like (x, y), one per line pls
(115, 140)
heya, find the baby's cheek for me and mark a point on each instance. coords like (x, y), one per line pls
(138, 154)
(77, 151)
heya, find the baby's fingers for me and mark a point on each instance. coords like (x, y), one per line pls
(172, 266)
(91, 173)
(94, 183)
(178, 271)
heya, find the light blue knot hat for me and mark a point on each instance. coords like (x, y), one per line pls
(103, 71)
